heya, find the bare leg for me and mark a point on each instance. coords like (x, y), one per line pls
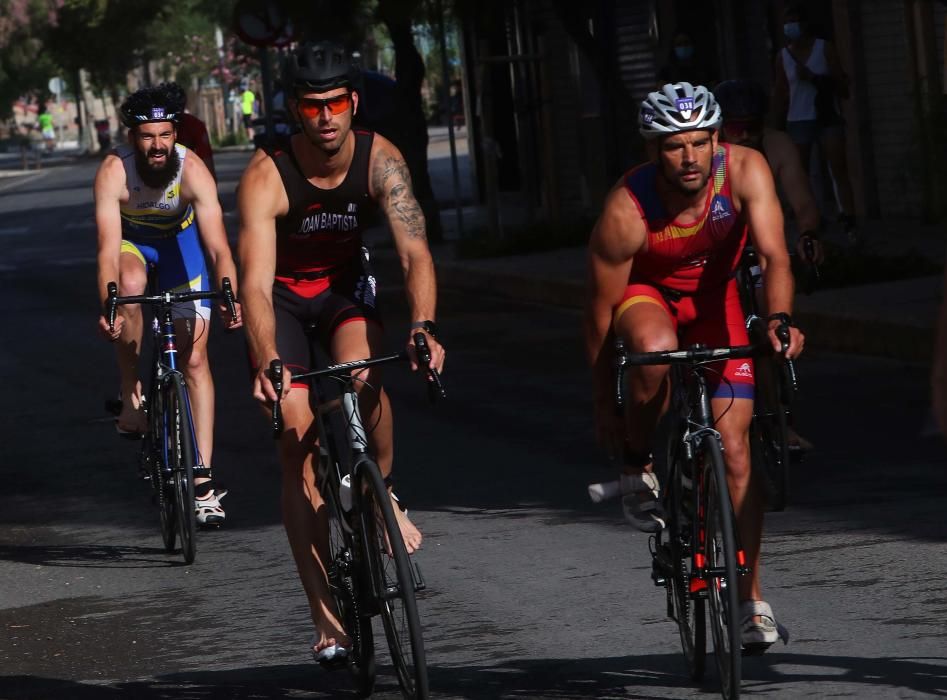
(200, 385)
(132, 282)
(354, 341)
(645, 327)
(747, 503)
(833, 145)
(306, 519)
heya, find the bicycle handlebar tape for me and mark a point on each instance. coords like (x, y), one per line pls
(435, 388)
(276, 377)
(110, 305)
(229, 298)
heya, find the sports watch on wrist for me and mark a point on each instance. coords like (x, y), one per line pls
(428, 327)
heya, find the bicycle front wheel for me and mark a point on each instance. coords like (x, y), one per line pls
(349, 581)
(154, 456)
(393, 579)
(722, 584)
(180, 451)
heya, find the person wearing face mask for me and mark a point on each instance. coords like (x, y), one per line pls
(683, 64)
(809, 82)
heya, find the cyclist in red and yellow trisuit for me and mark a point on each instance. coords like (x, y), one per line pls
(662, 257)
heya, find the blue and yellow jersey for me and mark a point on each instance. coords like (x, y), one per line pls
(152, 212)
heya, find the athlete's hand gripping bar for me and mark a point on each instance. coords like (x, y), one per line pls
(435, 389)
(111, 304)
(229, 298)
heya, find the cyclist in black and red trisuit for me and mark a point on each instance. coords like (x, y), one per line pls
(302, 204)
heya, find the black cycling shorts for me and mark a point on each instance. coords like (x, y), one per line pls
(352, 300)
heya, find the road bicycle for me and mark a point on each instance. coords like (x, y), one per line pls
(776, 384)
(169, 457)
(369, 570)
(697, 557)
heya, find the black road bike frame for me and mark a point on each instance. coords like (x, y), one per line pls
(364, 578)
(698, 556)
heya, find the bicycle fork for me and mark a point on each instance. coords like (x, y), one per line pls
(700, 575)
(358, 443)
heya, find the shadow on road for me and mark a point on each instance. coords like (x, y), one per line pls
(650, 676)
(90, 556)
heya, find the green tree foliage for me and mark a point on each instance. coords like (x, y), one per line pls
(24, 66)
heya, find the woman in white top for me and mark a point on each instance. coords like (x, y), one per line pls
(809, 82)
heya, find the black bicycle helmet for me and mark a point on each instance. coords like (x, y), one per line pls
(319, 66)
(742, 99)
(155, 103)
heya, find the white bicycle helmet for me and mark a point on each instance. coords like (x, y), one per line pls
(678, 107)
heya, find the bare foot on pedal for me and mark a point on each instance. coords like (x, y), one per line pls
(131, 420)
(329, 641)
(410, 534)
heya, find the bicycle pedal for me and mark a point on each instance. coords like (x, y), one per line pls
(419, 584)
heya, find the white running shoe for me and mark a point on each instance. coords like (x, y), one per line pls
(208, 510)
(760, 635)
(640, 501)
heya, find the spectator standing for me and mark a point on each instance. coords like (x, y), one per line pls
(809, 81)
(45, 121)
(684, 64)
(247, 102)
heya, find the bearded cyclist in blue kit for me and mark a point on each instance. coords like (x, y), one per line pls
(150, 196)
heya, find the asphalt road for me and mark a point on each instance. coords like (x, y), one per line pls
(533, 592)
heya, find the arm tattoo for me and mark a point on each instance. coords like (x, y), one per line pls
(391, 181)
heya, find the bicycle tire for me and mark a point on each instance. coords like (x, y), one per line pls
(769, 448)
(393, 580)
(153, 451)
(688, 608)
(348, 580)
(722, 593)
(685, 609)
(181, 450)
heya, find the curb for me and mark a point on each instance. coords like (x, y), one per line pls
(825, 331)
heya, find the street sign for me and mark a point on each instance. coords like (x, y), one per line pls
(56, 86)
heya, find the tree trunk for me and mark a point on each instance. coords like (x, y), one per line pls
(409, 74)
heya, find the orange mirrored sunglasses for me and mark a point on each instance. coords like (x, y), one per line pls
(312, 107)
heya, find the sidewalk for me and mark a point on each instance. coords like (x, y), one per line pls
(892, 319)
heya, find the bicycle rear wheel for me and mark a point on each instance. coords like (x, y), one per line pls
(688, 605)
(685, 608)
(769, 449)
(393, 579)
(180, 451)
(722, 588)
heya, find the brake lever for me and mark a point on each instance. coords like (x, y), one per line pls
(276, 377)
(435, 388)
(782, 333)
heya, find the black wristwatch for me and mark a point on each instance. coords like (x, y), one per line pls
(780, 316)
(428, 327)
